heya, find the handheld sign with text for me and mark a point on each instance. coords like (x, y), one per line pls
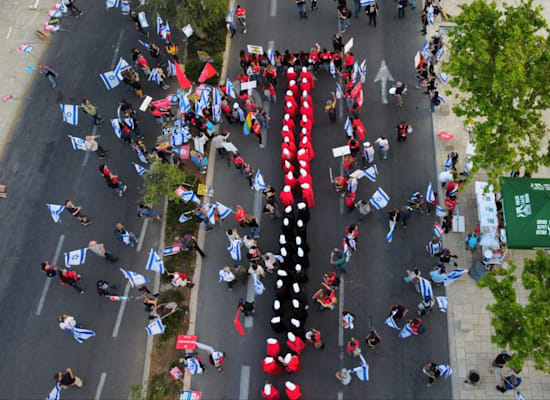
(255, 49)
(341, 151)
(186, 342)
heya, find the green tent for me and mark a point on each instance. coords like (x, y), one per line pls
(526, 204)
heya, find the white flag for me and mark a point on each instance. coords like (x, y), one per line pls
(75, 257)
(391, 322)
(371, 172)
(54, 393)
(134, 278)
(55, 212)
(70, 113)
(112, 3)
(154, 263)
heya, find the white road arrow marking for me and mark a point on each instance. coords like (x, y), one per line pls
(383, 75)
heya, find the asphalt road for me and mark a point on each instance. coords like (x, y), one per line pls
(39, 167)
(374, 281)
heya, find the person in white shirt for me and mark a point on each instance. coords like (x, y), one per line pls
(384, 146)
(66, 322)
(445, 177)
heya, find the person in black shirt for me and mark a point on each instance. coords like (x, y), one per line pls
(68, 379)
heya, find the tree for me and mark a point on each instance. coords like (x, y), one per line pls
(523, 329)
(162, 180)
(500, 62)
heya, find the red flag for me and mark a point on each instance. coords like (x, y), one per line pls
(207, 72)
(182, 79)
(356, 89)
(238, 324)
(359, 99)
(360, 129)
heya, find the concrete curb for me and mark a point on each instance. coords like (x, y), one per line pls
(193, 301)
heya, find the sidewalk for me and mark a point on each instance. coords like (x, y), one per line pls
(469, 322)
(19, 22)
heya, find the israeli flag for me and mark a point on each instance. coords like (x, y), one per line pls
(433, 248)
(193, 366)
(347, 251)
(235, 250)
(438, 230)
(121, 66)
(199, 107)
(223, 211)
(426, 288)
(405, 332)
(241, 114)
(355, 71)
(140, 170)
(211, 213)
(444, 370)
(165, 31)
(362, 371)
(259, 184)
(78, 143)
(183, 218)
(54, 393)
(205, 97)
(259, 287)
(217, 106)
(111, 3)
(442, 301)
(441, 99)
(159, 23)
(363, 71)
(116, 127)
(348, 128)
(332, 69)
(155, 328)
(271, 56)
(366, 2)
(339, 92)
(439, 54)
(75, 257)
(134, 278)
(55, 212)
(519, 396)
(144, 44)
(389, 236)
(154, 263)
(430, 195)
(425, 51)
(379, 199)
(172, 68)
(444, 77)
(453, 276)
(440, 211)
(141, 156)
(154, 76)
(371, 173)
(184, 104)
(81, 334)
(188, 196)
(125, 7)
(230, 89)
(391, 322)
(348, 319)
(70, 113)
(431, 15)
(110, 79)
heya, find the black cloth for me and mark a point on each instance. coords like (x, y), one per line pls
(303, 214)
(66, 379)
(278, 327)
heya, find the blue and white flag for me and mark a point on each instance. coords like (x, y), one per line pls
(217, 106)
(441, 99)
(379, 199)
(223, 211)
(366, 2)
(442, 301)
(339, 92)
(426, 288)
(116, 127)
(347, 251)
(440, 211)
(453, 276)
(55, 212)
(183, 218)
(406, 332)
(389, 236)
(259, 287)
(444, 370)
(363, 71)
(139, 169)
(235, 249)
(355, 71)
(371, 172)
(230, 89)
(205, 96)
(154, 263)
(391, 322)
(193, 366)
(211, 213)
(438, 230)
(439, 54)
(448, 163)
(184, 104)
(110, 79)
(431, 15)
(155, 328)
(81, 334)
(171, 68)
(154, 76)
(134, 278)
(141, 156)
(110, 3)
(430, 194)
(348, 128)
(159, 23)
(348, 320)
(259, 183)
(144, 44)
(125, 7)
(129, 122)
(78, 143)
(362, 371)
(75, 257)
(434, 247)
(271, 56)
(425, 51)
(165, 31)
(332, 69)
(188, 196)
(519, 396)
(444, 77)
(70, 113)
(54, 393)
(121, 66)
(198, 108)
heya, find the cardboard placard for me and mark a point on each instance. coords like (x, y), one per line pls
(228, 146)
(341, 151)
(190, 395)
(187, 30)
(348, 45)
(204, 190)
(248, 85)
(145, 104)
(255, 49)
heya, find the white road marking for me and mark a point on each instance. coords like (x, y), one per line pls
(245, 382)
(340, 310)
(340, 395)
(117, 47)
(9, 32)
(48, 280)
(142, 234)
(383, 75)
(273, 8)
(35, 7)
(100, 386)
(121, 311)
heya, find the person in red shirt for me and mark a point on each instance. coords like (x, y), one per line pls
(306, 144)
(307, 109)
(286, 155)
(450, 203)
(290, 145)
(349, 60)
(354, 146)
(240, 215)
(306, 97)
(270, 74)
(269, 92)
(240, 13)
(307, 75)
(286, 196)
(325, 58)
(291, 362)
(291, 75)
(269, 392)
(295, 343)
(289, 122)
(291, 109)
(270, 366)
(273, 347)
(292, 391)
(305, 84)
(305, 122)
(314, 56)
(303, 155)
(337, 60)
(257, 130)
